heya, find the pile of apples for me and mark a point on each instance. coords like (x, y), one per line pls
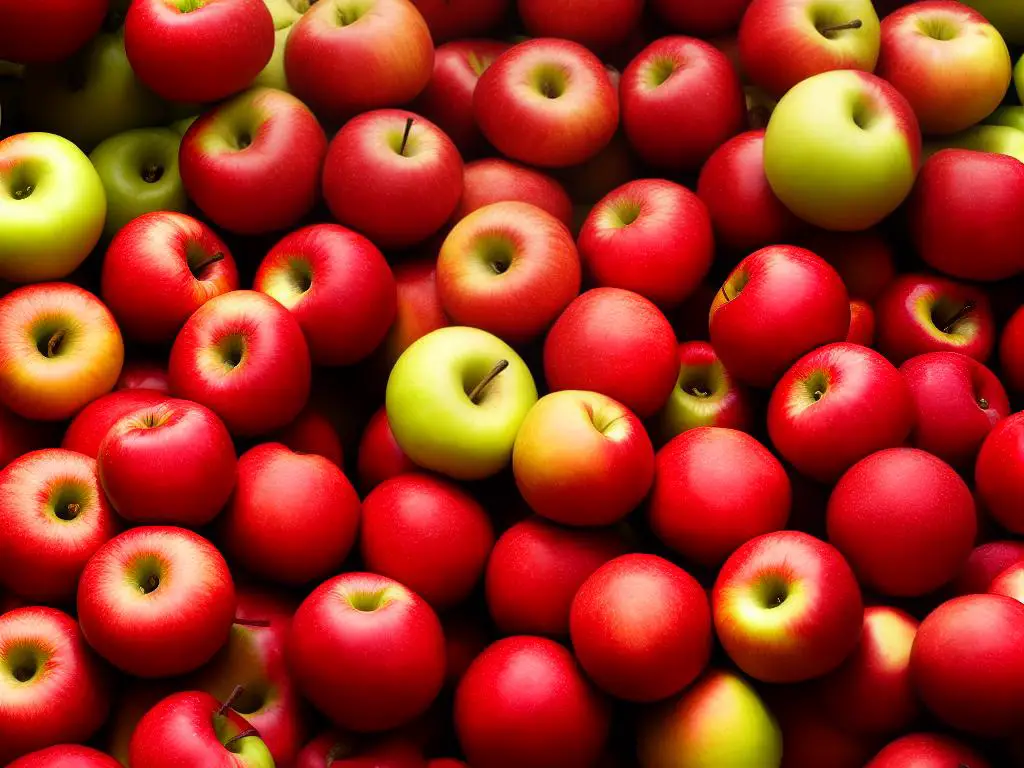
(511, 384)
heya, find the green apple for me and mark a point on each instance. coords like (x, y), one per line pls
(285, 13)
(1009, 116)
(1000, 139)
(139, 171)
(1005, 15)
(1018, 78)
(456, 399)
(842, 149)
(181, 126)
(52, 207)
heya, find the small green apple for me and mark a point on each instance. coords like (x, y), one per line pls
(1018, 76)
(285, 13)
(999, 139)
(456, 399)
(1005, 15)
(1008, 116)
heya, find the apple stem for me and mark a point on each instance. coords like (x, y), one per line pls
(241, 735)
(230, 700)
(405, 136)
(855, 24)
(725, 294)
(54, 343)
(956, 318)
(198, 268)
(72, 510)
(253, 622)
(499, 366)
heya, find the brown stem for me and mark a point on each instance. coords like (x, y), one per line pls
(725, 294)
(960, 315)
(252, 622)
(855, 24)
(198, 268)
(405, 136)
(499, 366)
(73, 509)
(239, 689)
(54, 343)
(241, 735)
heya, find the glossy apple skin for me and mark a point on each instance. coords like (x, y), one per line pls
(569, 126)
(418, 307)
(599, 29)
(537, 567)
(814, 627)
(55, 516)
(837, 405)
(525, 701)
(312, 431)
(966, 663)
(87, 350)
(998, 474)
(864, 260)
(984, 564)
(88, 428)
(454, 19)
(174, 628)
(701, 19)
(862, 323)
(1010, 583)
(494, 179)
(198, 54)
(927, 750)
(66, 756)
(714, 489)
(1011, 352)
(681, 99)
(380, 456)
(67, 697)
(49, 31)
(777, 304)
(617, 343)
(508, 268)
(243, 356)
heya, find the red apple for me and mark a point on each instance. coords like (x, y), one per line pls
(18, 436)
(927, 750)
(380, 456)
(418, 307)
(49, 31)
(1011, 352)
(695, 17)
(465, 638)
(143, 374)
(810, 738)
(600, 28)
(66, 756)
(862, 323)
(985, 562)
(326, 750)
(453, 19)
(1010, 583)
(312, 431)
(865, 260)
(495, 180)
(86, 431)
(999, 473)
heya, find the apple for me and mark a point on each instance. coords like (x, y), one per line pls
(508, 268)
(330, 277)
(701, 19)
(998, 477)
(984, 564)
(779, 303)
(787, 607)
(714, 489)
(927, 750)
(66, 756)
(456, 399)
(392, 643)
(591, 180)
(681, 99)
(156, 601)
(862, 323)
(494, 180)
(864, 260)
(48, 31)
(312, 431)
(453, 19)
(90, 425)
(1004, 14)
(599, 28)
(54, 690)
(243, 355)
(380, 457)
(418, 307)
(998, 139)
(386, 41)
(18, 436)
(284, 14)
(1011, 352)
(55, 516)
(60, 349)
(811, 738)
(182, 262)
(547, 102)
(196, 50)
(1012, 116)
(52, 207)
(252, 164)
(326, 750)
(705, 395)
(1010, 583)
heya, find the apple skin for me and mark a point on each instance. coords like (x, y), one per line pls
(66, 756)
(312, 431)
(390, 46)
(55, 516)
(811, 738)
(971, 235)
(777, 304)
(862, 323)
(183, 263)
(243, 356)
(380, 457)
(927, 750)
(508, 268)
(598, 28)
(431, 416)
(705, 395)
(494, 179)
(525, 701)
(60, 349)
(19, 436)
(984, 564)
(1011, 352)
(837, 405)
(966, 663)
(392, 635)
(998, 476)
(950, 63)
(191, 52)
(915, 310)
(864, 260)
(174, 627)
(65, 697)
(52, 210)
(1010, 583)
(418, 307)
(48, 31)
(454, 19)
(825, 167)
(1000, 139)
(547, 102)
(787, 607)
(701, 19)
(714, 489)
(957, 402)
(90, 425)
(330, 277)
(617, 343)
(681, 99)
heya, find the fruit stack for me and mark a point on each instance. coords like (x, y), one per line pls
(511, 384)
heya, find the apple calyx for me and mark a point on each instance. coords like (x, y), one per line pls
(478, 390)
(855, 24)
(405, 136)
(199, 268)
(151, 174)
(22, 192)
(960, 314)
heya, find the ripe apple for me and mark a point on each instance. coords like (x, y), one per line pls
(811, 738)
(88, 428)
(494, 179)
(1010, 583)
(701, 19)
(66, 756)
(984, 564)
(865, 260)
(60, 349)
(927, 750)
(599, 28)
(284, 14)
(18, 436)
(418, 308)
(999, 139)
(454, 19)
(313, 431)
(862, 323)
(156, 601)
(48, 31)
(380, 457)
(998, 474)
(1011, 352)
(705, 394)
(456, 399)
(183, 264)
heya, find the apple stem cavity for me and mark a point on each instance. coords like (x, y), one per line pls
(70, 511)
(405, 136)
(252, 622)
(478, 390)
(235, 695)
(151, 174)
(198, 269)
(855, 24)
(959, 315)
(22, 192)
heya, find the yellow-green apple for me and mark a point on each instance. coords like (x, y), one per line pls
(156, 601)
(330, 277)
(1000, 139)
(284, 13)
(681, 99)
(777, 304)
(508, 268)
(139, 171)
(650, 236)
(48, 31)
(494, 179)
(456, 399)
(380, 457)
(1011, 351)
(198, 50)
(705, 395)
(70, 755)
(386, 41)
(693, 17)
(787, 607)
(1011, 116)
(454, 19)
(181, 126)
(927, 750)
(181, 260)
(842, 150)
(949, 62)
(720, 721)
(997, 474)
(52, 207)
(416, 173)
(91, 424)
(53, 688)
(547, 102)
(60, 349)
(418, 307)
(785, 41)
(243, 355)
(252, 164)
(582, 458)
(395, 635)
(598, 28)
(1005, 15)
